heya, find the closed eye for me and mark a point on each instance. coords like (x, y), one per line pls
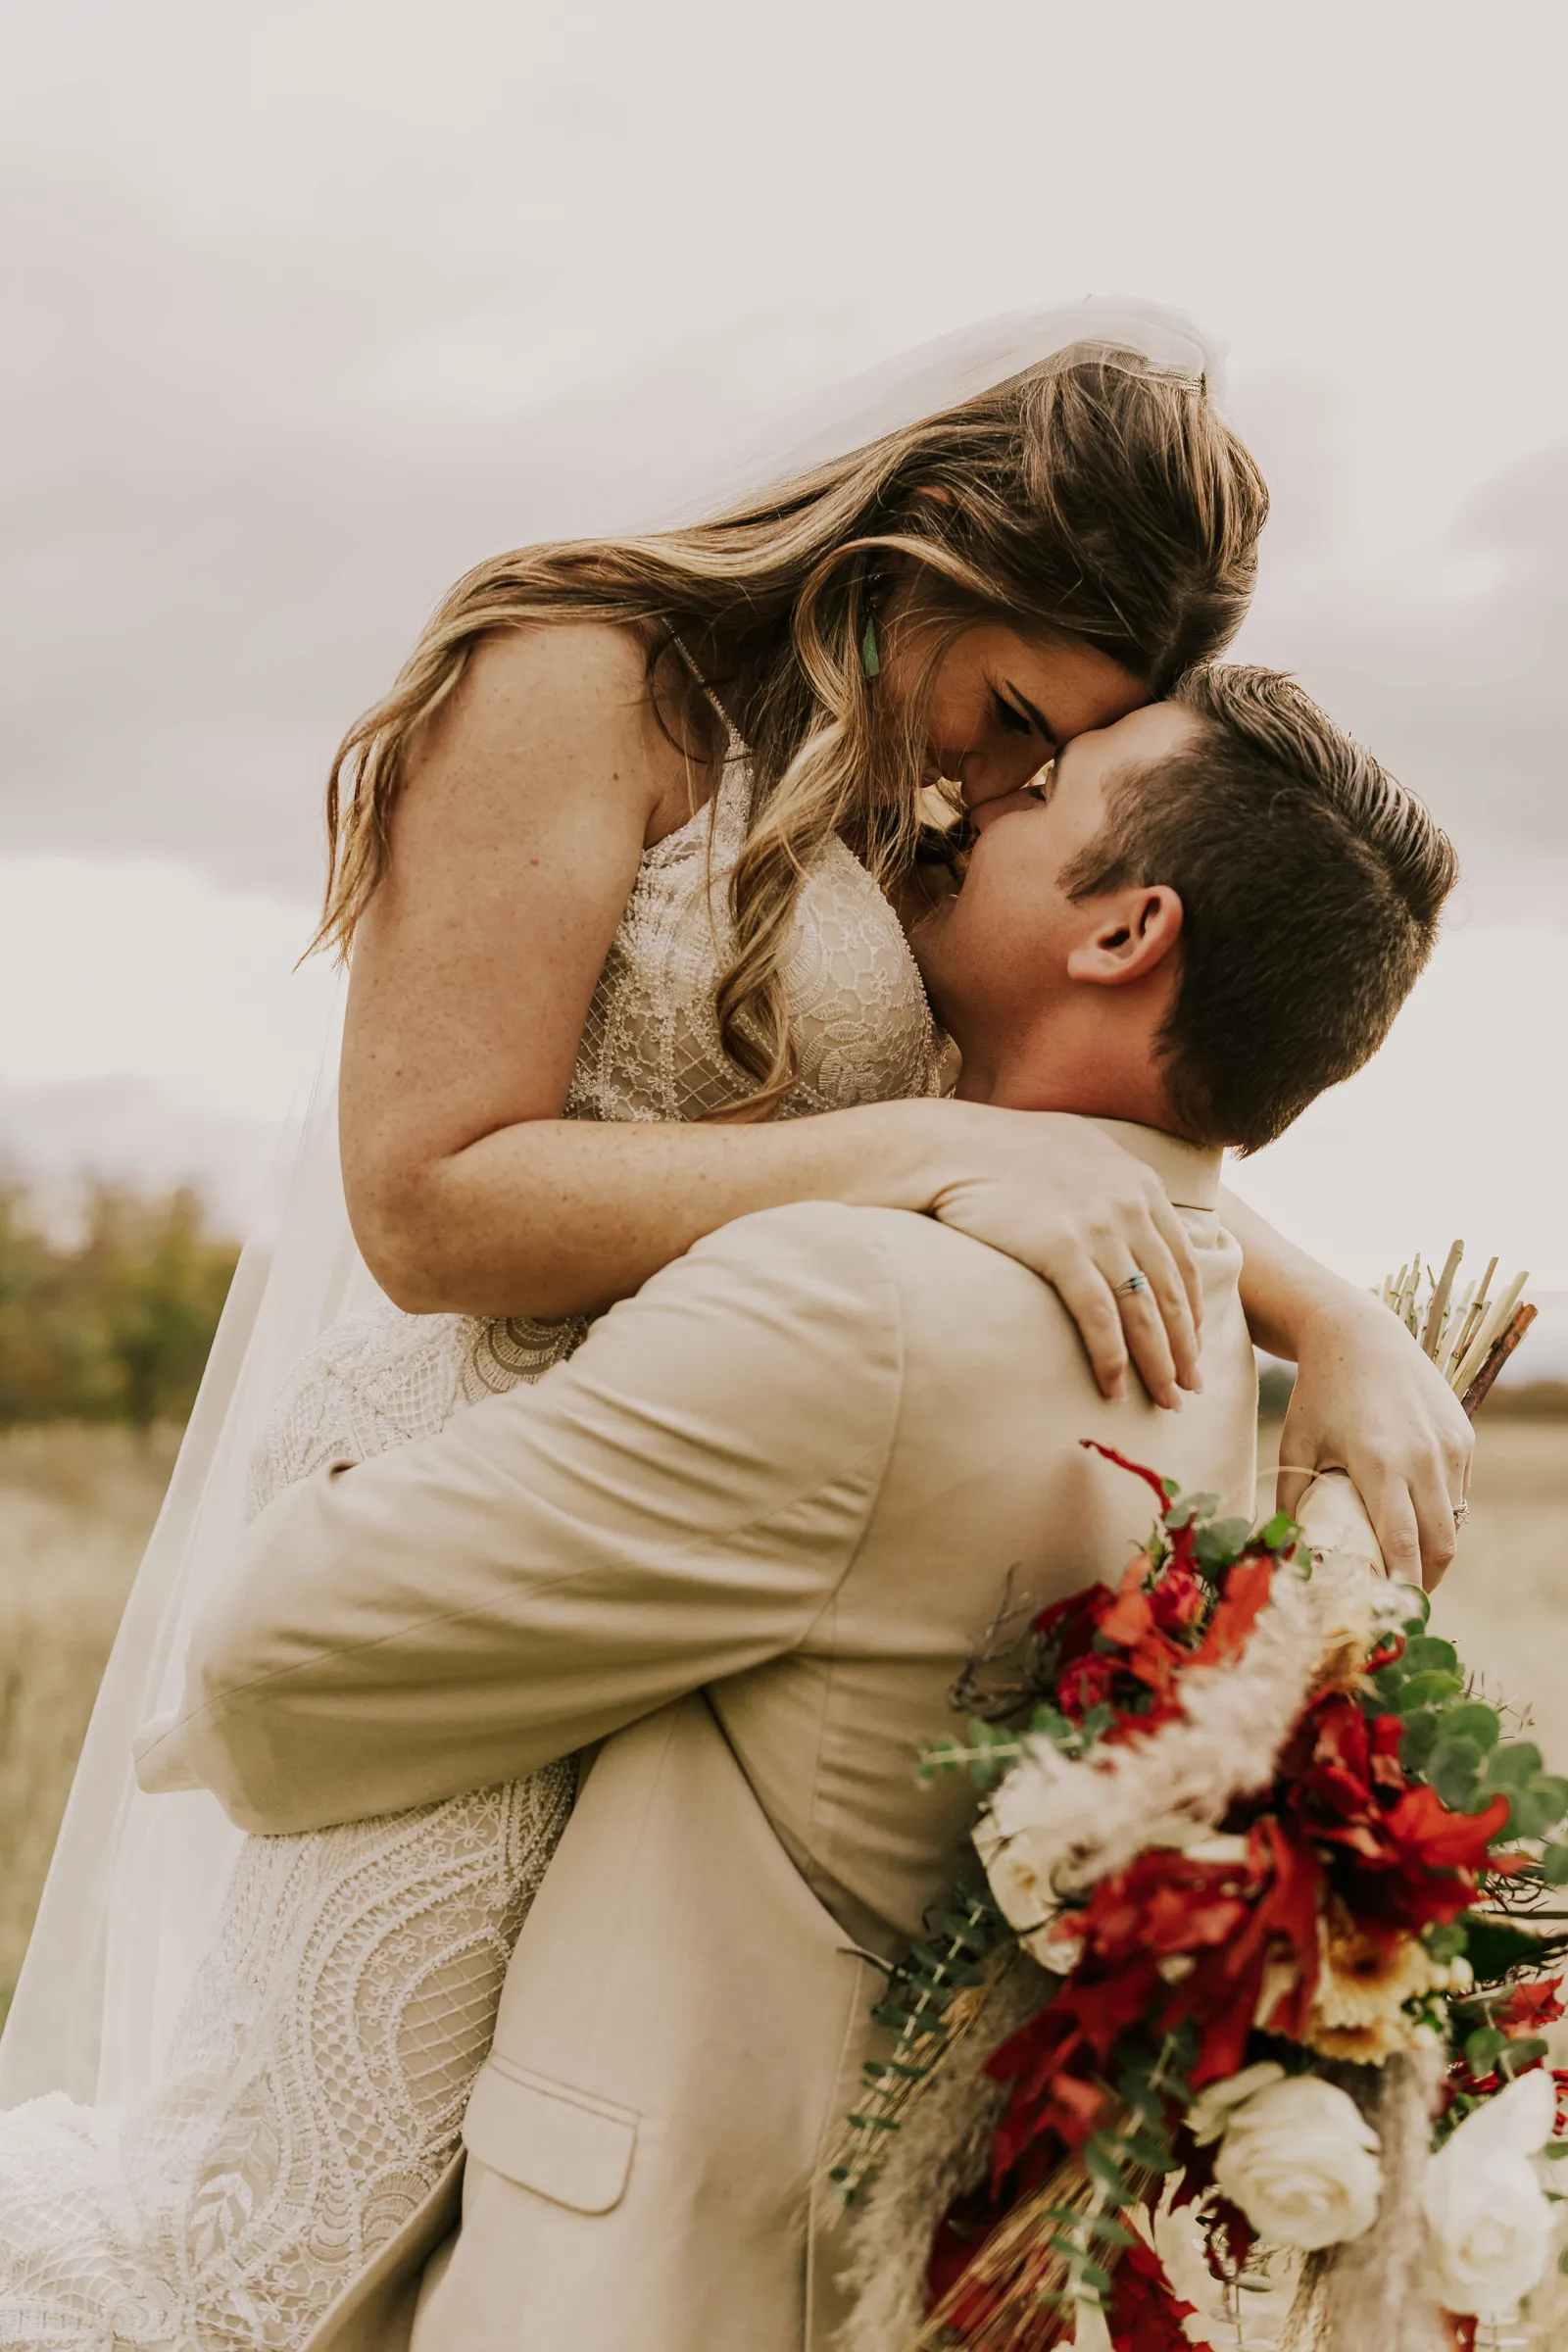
(1017, 721)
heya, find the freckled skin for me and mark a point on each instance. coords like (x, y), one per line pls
(514, 846)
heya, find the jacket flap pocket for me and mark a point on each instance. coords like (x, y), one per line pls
(558, 2141)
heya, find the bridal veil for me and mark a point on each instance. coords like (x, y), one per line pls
(136, 1880)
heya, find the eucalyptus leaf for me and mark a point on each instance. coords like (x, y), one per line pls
(1453, 1772)
(1428, 1688)
(1473, 1720)
(1533, 1810)
(1514, 1764)
(1102, 2167)
(1447, 1942)
(1217, 1546)
(1421, 1733)
(1049, 1723)
(1191, 1507)
(1426, 1653)
(1482, 2046)
(1551, 1789)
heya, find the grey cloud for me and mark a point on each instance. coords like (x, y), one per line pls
(1456, 675)
(218, 535)
(219, 531)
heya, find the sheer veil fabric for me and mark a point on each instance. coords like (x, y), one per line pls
(137, 1882)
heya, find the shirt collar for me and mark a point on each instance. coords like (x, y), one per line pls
(1190, 1172)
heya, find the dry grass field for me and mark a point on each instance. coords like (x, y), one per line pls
(76, 1506)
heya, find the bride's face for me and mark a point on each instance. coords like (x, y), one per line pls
(1002, 705)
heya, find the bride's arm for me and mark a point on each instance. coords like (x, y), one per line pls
(514, 850)
(1366, 1399)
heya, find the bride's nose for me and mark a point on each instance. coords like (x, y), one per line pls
(1003, 804)
(992, 779)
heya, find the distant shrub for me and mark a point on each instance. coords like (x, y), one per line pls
(115, 1324)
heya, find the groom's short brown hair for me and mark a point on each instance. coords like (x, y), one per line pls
(1310, 883)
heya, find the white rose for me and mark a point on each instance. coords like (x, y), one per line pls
(1488, 2222)
(1215, 2105)
(1021, 1852)
(1301, 2162)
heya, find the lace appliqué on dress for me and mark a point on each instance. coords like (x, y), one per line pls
(334, 2028)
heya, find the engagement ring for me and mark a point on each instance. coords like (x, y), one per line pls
(1132, 1286)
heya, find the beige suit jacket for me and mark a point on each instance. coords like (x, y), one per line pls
(745, 1537)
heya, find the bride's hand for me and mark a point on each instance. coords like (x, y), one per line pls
(1369, 1401)
(1058, 1195)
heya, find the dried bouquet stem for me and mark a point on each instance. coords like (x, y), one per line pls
(1469, 1339)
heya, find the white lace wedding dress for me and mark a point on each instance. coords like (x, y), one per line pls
(322, 2064)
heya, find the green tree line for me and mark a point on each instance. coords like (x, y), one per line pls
(115, 1323)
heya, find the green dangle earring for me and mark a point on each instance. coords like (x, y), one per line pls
(870, 658)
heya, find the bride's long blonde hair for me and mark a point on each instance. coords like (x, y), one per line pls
(1095, 496)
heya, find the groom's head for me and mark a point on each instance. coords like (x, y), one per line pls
(1204, 915)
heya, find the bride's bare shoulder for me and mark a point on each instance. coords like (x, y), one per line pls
(576, 697)
(590, 671)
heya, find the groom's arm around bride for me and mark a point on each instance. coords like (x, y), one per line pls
(748, 1534)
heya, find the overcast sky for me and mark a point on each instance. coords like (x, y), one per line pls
(306, 308)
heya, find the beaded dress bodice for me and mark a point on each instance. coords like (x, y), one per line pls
(650, 1051)
(319, 2074)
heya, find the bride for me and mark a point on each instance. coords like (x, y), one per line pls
(617, 859)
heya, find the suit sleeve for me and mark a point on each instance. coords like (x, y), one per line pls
(675, 1503)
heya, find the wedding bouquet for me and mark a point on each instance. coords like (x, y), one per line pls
(1254, 1990)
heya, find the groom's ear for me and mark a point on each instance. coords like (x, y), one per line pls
(1133, 932)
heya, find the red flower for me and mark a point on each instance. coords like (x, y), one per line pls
(1131, 1613)
(1246, 1589)
(1386, 1736)
(1088, 1682)
(1282, 1924)
(1067, 1628)
(1052, 2104)
(1528, 2007)
(1436, 1854)
(1163, 1904)
(1408, 1860)
(1146, 2312)
(1231, 2238)
(1337, 1773)
(1179, 1599)
(1151, 1478)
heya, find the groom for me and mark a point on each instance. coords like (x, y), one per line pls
(745, 1537)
